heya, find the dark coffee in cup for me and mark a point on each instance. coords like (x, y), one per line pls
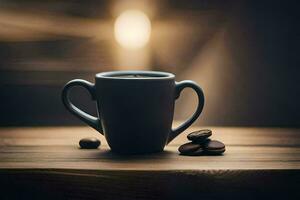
(135, 108)
(133, 76)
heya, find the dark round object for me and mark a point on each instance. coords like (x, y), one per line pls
(199, 136)
(198, 152)
(215, 152)
(89, 143)
(188, 148)
(202, 142)
(214, 145)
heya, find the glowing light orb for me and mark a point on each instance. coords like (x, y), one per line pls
(132, 29)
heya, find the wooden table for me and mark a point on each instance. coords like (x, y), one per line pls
(46, 163)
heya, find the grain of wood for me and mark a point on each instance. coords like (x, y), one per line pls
(57, 147)
(46, 163)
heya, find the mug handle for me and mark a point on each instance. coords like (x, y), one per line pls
(179, 87)
(87, 118)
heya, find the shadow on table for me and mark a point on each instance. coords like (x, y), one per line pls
(164, 155)
(110, 155)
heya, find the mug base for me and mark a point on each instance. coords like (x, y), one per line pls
(136, 152)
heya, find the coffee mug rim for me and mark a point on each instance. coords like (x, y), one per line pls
(157, 75)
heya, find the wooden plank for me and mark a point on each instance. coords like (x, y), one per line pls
(71, 135)
(209, 184)
(46, 163)
(57, 148)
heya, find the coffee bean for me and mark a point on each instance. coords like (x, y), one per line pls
(198, 152)
(188, 148)
(199, 136)
(202, 142)
(89, 143)
(214, 152)
(214, 145)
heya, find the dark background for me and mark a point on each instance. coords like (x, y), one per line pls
(243, 53)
